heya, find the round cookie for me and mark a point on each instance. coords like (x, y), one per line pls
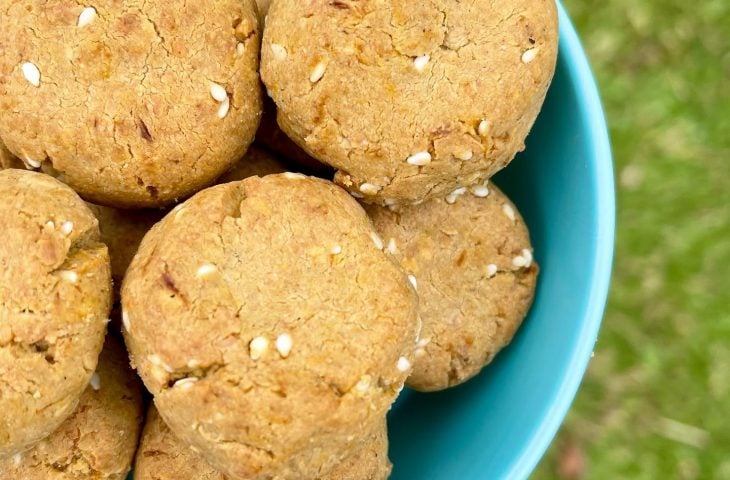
(98, 441)
(55, 295)
(408, 99)
(161, 456)
(269, 325)
(135, 103)
(256, 162)
(471, 259)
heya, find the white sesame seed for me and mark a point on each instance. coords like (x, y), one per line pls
(279, 51)
(369, 189)
(257, 347)
(484, 126)
(32, 163)
(419, 63)
(193, 363)
(453, 196)
(419, 159)
(414, 282)
(205, 270)
(318, 72)
(154, 359)
(67, 227)
(422, 343)
(218, 92)
(294, 176)
(37, 394)
(519, 261)
(240, 49)
(31, 73)
(185, 383)
(125, 321)
(480, 191)
(284, 344)
(95, 382)
(529, 55)
(16, 459)
(223, 109)
(464, 155)
(356, 195)
(87, 16)
(403, 364)
(69, 276)
(392, 246)
(491, 270)
(377, 240)
(363, 385)
(527, 255)
(336, 250)
(420, 352)
(50, 224)
(509, 211)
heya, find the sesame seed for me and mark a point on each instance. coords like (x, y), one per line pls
(453, 196)
(392, 247)
(32, 74)
(356, 195)
(491, 270)
(67, 228)
(363, 385)
(284, 344)
(294, 176)
(279, 51)
(69, 275)
(377, 240)
(420, 352)
(257, 347)
(419, 63)
(529, 55)
(37, 394)
(419, 159)
(32, 163)
(223, 109)
(480, 191)
(527, 255)
(369, 189)
(403, 364)
(318, 72)
(125, 321)
(87, 16)
(205, 270)
(16, 459)
(414, 282)
(422, 343)
(509, 211)
(192, 363)
(484, 127)
(95, 382)
(154, 359)
(218, 92)
(240, 49)
(185, 383)
(50, 224)
(519, 261)
(464, 155)
(336, 250)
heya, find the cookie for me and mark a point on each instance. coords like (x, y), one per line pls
(409, 100)
(55, 295)
(161, 456)
(471, 259)
(98, 441)
(7, 159)
(256, 162)
(263, 6)
(269, 325)
(134, 103)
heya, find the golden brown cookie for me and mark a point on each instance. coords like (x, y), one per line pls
(161, 456)
(7, 159)
(98, 441)
(269, 325)
(409, 99)
(55, 295)
(135, 103)
(471, 259)
(256, 162)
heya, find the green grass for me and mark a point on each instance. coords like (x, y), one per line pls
(655, 403)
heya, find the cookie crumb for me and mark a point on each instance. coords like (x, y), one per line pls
(403, 364)
(509, 211)
(419, 159)
(87, 16)
(377, 240)
(284, 344)
(419, 63)
(529, 55)
(491, 270)
(67, 228)
(392, 246)
(414, 282)
(205, 270)
(480, 191)
(336, 250)
(452, 197)
(464, 155)
(257, 347)
(484, 127)
(185, 383)
(95, 382)
(125, 321)
(32, 74)
(69, 275)
(279, 51)
(294, 176)
(318, 72)
(369, 189)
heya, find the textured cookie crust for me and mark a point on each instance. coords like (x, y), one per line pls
(99, 440)
(409, 99)
(256, 162)
(55, 295)
(135, 103)
(471, 259)
(269, 325)
(161, 456)
(7, 159)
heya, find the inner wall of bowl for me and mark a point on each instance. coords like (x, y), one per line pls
(481, 429)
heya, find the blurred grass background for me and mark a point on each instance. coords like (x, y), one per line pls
(655, 403)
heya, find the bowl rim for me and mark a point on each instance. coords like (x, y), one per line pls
(591, 111)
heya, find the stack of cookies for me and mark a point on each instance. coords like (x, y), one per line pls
(274, 295)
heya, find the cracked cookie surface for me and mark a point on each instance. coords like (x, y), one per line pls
(133, 103)
(409, 99)
(470, 257)
(269, 324)
(55, 295)
(98, 441)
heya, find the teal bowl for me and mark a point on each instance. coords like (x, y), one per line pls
(499, 424)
